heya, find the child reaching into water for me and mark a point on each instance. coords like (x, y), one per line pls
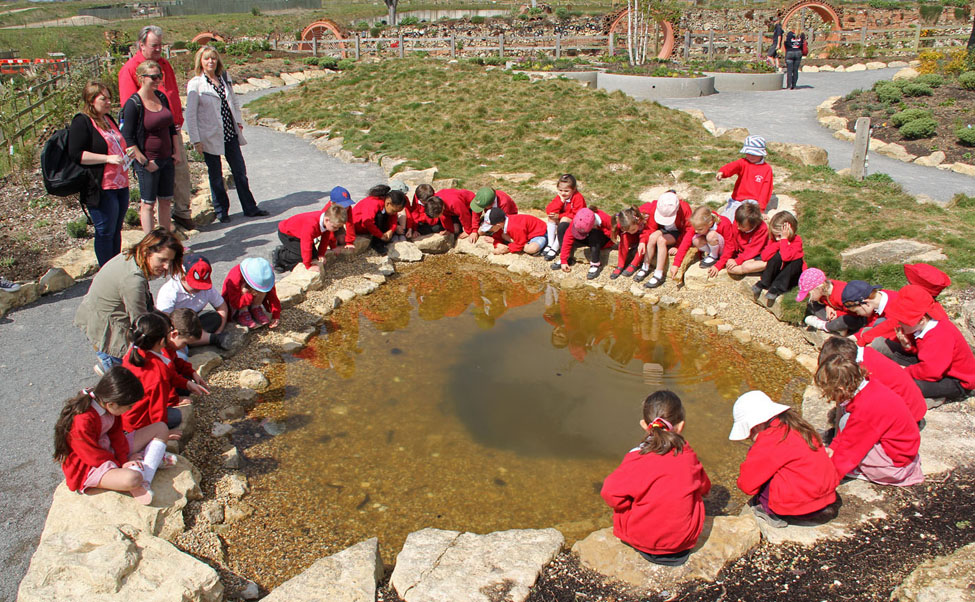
(516, 232)
(750, 240)
(754, 183)
(656, 492)
(668, 226)
(787, 469)
(825, 310)
(92, 448)
(783, 257)
(299, 233)
(376, 215)
(628, 228)
(560, 212)
(714, 237)
(249, 291)
(591, 228)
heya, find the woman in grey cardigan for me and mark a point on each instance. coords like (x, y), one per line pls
(119, 293)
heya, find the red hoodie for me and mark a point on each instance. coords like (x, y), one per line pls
(521, 227)
(788, 250)
(307, 227)
(754, 181)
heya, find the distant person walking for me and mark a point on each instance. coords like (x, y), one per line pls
(772, 58)
(215, 126)
(794, 45)
(150, 48)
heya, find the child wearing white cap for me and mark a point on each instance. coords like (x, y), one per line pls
(754, 183)
(787, 469)
(669, 228)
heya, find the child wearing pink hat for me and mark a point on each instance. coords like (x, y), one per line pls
(825, 310)
(590, 227)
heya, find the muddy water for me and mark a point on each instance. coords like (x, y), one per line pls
(461, 397)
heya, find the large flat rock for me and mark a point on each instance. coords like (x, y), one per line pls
(943, 579)
(435, 243)
(349, 576)
(890, 251)
(449, 566)
(696, 278)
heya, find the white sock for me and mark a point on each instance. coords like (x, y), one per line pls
(551, 230)
(658, 274)
(713, 251)
(153, 458)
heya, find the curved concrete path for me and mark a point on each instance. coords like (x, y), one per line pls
(790, 116)
(44, 359)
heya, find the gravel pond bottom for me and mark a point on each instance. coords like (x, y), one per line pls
(462, 397)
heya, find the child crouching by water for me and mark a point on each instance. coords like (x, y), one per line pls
(787, 469)
(656, 492)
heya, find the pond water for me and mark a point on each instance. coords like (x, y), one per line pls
(462, 397)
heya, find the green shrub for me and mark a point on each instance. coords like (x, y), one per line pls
(477, 19)
(310, 60)
(967, 80)
(562, 13)
(919, 128)
(885, 4)
(930, 79)
(360, 26)
(930, 12)
(520, 77)
(255, 11)
(178, 45)
(899, 119)
(78, 228)
(132, 215)
(966, 135)
(915, 89)
(411, 20)
(889, 94)
(328, 62)
(879, 178)
(345, 64)
(853, 94)
(192, 46)
(374, 31)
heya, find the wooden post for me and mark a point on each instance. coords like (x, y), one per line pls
(558, 46)
(687, 45)
(858, 167)
(710, 45)
(917, 39)
(759, 42)
(358, 47)
(402, 50)
(612, 43)
(501, 45)
(453, 46)
(314, 46)
(863, 41)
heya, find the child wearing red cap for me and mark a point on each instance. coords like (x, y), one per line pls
(783, 257)
(590, 228)
(656, 492)
(560, 212)
(299, 232)
(877, 441)
(932, 349)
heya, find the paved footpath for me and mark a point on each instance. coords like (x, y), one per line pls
(790, 116)
(44, 359)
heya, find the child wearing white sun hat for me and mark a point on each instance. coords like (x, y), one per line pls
(754, 183)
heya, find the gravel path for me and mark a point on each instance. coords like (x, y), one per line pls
(45, 359)
(790, 116)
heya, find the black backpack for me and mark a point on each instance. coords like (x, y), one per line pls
(62, 176)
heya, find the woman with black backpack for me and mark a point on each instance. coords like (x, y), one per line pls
(795, 49)
(148, 126)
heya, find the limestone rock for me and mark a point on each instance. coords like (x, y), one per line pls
(252, 379)
(668, 301)
(696, 114)
(825, 108)
(220, 430)
(415, 177)
(857, 67)
(518, 178)
(833, 122)
(345, 295)
(77, 263)
(298, 75)
(365, 288)
(724, 540)
(388, 164)
(290, 80)
(742, 336)
(933, 160)
(839, 69)
(827, 68)
(897, 64)
(289, 293)
(844, 135)
(438, 565)
(945, 578)
(404, 251)
(386, 268)
(240, 89)
(805, 154)
(465, 246)
(637, 290)
(314, 74)
(696, 278)
(522, 264)
(816, 409)
(231, 458)
(291, 346)
(807, 361)
(891, 251)
(711, 128)
(308, 280)
(896, 151)
(725, 328)
(698, 314)
(107, 562)
(231, 412)
(785, 353)
(260, 84)
(328, 145)
(735, 134)
(874, 65)
(947, 443)
(435, 243)
(54, 280)
(27, 293)
(206, 362)
(964, 169)
(809, 69)
(171, 488)
(276, 82)
(906, 73)
(233, 485)
(201, 209)
(349, 576)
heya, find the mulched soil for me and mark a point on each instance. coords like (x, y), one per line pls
(960, 110)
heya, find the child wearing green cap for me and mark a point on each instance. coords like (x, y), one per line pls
(486, 199)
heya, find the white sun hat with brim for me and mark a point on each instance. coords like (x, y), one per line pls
(754, 145)
(752, 409)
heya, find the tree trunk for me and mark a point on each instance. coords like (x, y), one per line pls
(392, 12)
(971, 38)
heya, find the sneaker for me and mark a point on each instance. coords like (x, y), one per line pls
(169, 460)
(258, 213)
(98, 369)
(593, 272)
(815, 322)
(654, 282)
(757, 291)
(224, 219)
(640, 275)
(8, 286)
(628, 272)
(615, 274)
(770, 298)
(768, 517)
(258, 314)
(245, 319)
(184, 222)
(934, 402)
(708, 261)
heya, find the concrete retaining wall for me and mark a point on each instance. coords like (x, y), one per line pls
(747, 82)
(652, 88)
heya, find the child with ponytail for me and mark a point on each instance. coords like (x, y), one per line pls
(656, 492)
(93, 450)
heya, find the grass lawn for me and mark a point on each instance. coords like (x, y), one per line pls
(468, 122)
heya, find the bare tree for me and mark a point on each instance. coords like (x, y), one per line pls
(391, 5)
(640, 18)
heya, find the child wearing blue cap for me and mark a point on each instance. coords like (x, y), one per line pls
(299, 232)
(249, 291)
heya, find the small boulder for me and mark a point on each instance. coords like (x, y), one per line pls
(897, 64)
(308, 280)
(252, 379)
(386, 267)
(290, 80)
(465, 246)
(896, 151)
(874, 65)
(344, 295)
(435, 243)
(785, 353)
(809, 69)
(846, 135)
(890, 251)
(964, 169)
(365, 288)
(833, 122)
(54, 280)
(415, 177)
(806, 154)
(696, 278)
(349, 576)
(231, 458)
(735, 134)
(825, 108)
(816, 409)
(742, 336)
(231, 412)
(260, 84)
(25, 295)
(205, 362)
(857, 67)
(518, 178)
(933, 160)
(404, 251)
(906, 73)
(942, 578)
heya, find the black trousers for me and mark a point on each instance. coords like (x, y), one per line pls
(289, 254)
(780, 276)
(423, 229)
(382, 222)
(792, 60)
(595, 241)
(850, 323)
(948, 387)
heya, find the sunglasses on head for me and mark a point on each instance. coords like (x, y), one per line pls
(154, 76)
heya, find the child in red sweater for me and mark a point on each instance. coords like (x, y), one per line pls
(750, 241)
(590, 228)
(299, 232)
(754, 183)
(627, 232)
(928, 277)
(376, 215)
(92, 448)
(560, 212)
(714, 237)
(783, 257)
(656, 492)
(787, 469)
(668, 226)
(249, 291)
(455, 215)
(876, 440)
(517, 232)
(825, 310)
(488, 198)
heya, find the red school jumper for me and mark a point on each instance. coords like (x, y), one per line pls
(85, 452)
(729, 231)
(364, 216)
(656, 500)
(890, 374)
(748, 245)
(802, 480)
(233, 293)
(307, 227)
(457, 203)
(416, 214)
(685, 231)
(502, 201)
(942, 351)
(565, 208)
(754, 181)
(569, 240)
(874, 419)
(521, 228)
(160, 381)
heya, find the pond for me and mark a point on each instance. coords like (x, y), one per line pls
(462, 397)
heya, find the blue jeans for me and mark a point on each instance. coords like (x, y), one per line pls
(108, 218)
(107, 361)
(218, 192)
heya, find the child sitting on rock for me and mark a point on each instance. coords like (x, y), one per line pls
(754, 183)
(668, 226)
(560, 212)
(628, 228)
(516, 232)
(787, 469)
(299, 233)
(714, 237)
(376, 215)
(749, 242)
(590, 228)
(825, 310)
(249, 291)
(194, 291)
(92, 448)
(876, 440)
(783, 257)
(656, 492)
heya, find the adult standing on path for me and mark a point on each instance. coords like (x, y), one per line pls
(94, 140)
(772, 58)
(794, 44)
(150, 48)
(215, 126)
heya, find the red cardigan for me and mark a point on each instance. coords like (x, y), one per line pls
(943, 352)
(802, 480)
(788, 250)
(566, 208)
(748, 245)
(457, 203)
(503, 201)
(656, 500)
(890, 374)
(569, 240)
(729, 231)
(754, 181)
(85, 452)
(416, 214)
(160, 381)
(364, 217)
(873, 419)
(521, 229)
(233, 294)
(307, 227)
(683, 224)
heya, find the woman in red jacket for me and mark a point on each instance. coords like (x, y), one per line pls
(656, 492)
(93, 450)
(787, 469)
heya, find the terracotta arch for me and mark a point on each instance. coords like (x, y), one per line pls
(317, 29)
(826, 11)
(205, 37)
(666, 49)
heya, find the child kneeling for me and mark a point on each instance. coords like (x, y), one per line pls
(517, 232)
(249, 291)
(299, 232)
